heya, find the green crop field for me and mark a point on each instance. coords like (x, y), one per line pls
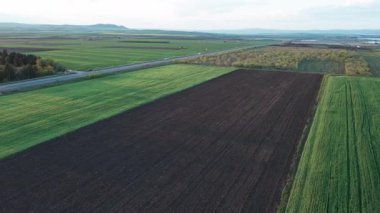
(373, 58)
(339, 170)
(33, 117)
(85, 53)
(320, 66)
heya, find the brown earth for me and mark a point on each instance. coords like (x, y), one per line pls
(225, 146)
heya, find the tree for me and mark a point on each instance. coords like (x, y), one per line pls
(44, 67)
(9, 74)
(31, 59)
(19, 59)
(18, 66)
(28, 71)
(3, 56)
(2, 74)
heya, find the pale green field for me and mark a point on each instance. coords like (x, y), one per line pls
(30, 118)
(85, 54)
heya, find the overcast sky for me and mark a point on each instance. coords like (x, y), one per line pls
(199, 14)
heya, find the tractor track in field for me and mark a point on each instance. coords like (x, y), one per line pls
(223, 146)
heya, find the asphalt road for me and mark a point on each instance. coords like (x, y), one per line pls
(75, 75)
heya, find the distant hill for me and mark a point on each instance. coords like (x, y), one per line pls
(8, 29)
(16, 27)
(107, 26)
(363, 32)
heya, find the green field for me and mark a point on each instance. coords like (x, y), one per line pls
(339, 170)
(84, 53)
(33, 117)
(373, 58)
(320, 66)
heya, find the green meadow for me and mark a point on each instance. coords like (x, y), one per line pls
(339, 170)
(33, 117)
(86, 53)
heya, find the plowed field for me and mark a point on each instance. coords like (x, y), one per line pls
(225, 145)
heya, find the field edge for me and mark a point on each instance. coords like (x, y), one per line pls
(281, 208)
(227, 71)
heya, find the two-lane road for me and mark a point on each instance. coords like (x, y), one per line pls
(74, 75)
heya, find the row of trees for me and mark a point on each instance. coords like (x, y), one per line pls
(17, 66)
(287, 58)
(357, 66)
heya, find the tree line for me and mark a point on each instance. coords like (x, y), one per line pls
(286, 58)
(17, 66)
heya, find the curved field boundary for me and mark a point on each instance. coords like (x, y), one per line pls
(223, 146)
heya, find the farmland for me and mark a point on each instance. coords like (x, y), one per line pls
(225, 145)
(339, 168)
(189, 137)
(190, 106)
(30, 118)
(299, 59)
(373, 59)
(87, 52)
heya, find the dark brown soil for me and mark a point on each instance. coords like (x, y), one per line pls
(223, 146)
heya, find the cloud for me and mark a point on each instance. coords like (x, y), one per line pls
(358, 2)
(198, 14)
(354, 16)
(4, 17)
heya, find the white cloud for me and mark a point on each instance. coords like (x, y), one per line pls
(179, 14)
(358, 2)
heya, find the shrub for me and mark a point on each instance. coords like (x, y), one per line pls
(17, 66)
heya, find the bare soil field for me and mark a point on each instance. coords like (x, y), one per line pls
(226, 145)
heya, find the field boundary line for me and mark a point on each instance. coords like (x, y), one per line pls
(285, 195)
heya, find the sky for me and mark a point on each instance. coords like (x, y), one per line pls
(199, 14)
